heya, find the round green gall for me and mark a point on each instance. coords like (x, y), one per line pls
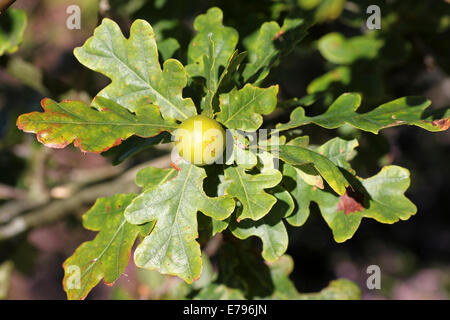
(200, 140)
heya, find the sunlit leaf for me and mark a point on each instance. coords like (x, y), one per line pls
(296, 155)
(133, 67)
(406, 110)
(380, 197)
(90, 129)
(171, 247)
(242, 109)
(249, 190)
(209, 29)
(107, 256)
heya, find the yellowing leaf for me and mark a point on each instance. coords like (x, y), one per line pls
(91, 130)
(108, 254)
(380, 197)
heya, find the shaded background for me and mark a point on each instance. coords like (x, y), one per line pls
(414, 255)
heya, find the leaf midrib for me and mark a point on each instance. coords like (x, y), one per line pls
(115, 57)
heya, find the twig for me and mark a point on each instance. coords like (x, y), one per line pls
(7, 192)
(4, 4)
(56, 209)
(82, 178)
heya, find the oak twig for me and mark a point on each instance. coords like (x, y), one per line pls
(55, 209)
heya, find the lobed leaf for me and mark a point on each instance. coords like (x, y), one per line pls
(249, 190)
(406, 110)
(380, 197)
(242, 109)
(133, 67)
(211, 50)
(297, 155)
(91, 130)
(210, 29)
(171, 247)
(108, 254)
(270, 228)
(151, 177)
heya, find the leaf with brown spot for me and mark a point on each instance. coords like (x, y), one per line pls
(349, 204)
(402, 111)
(89, 129)
(380, 197)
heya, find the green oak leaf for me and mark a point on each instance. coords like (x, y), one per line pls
(269, 44)
(337, 49)
(167, 47)
(284, 288)
(90, 129)
(380, 197)
(242, 109)
(108, 254)
(246, 278)
(328, 10)
(407, 110)
(239, 151)
(299, 156)
(210, 29)
(132, 65)
(212, 49)
(12, 28)
(270, 228)
(151, 177)
(338, 151)
(249, 190)
(171, 247)
(241, 267)
(210, 73)
(341, 74)
(227, 78)
(211, 225)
